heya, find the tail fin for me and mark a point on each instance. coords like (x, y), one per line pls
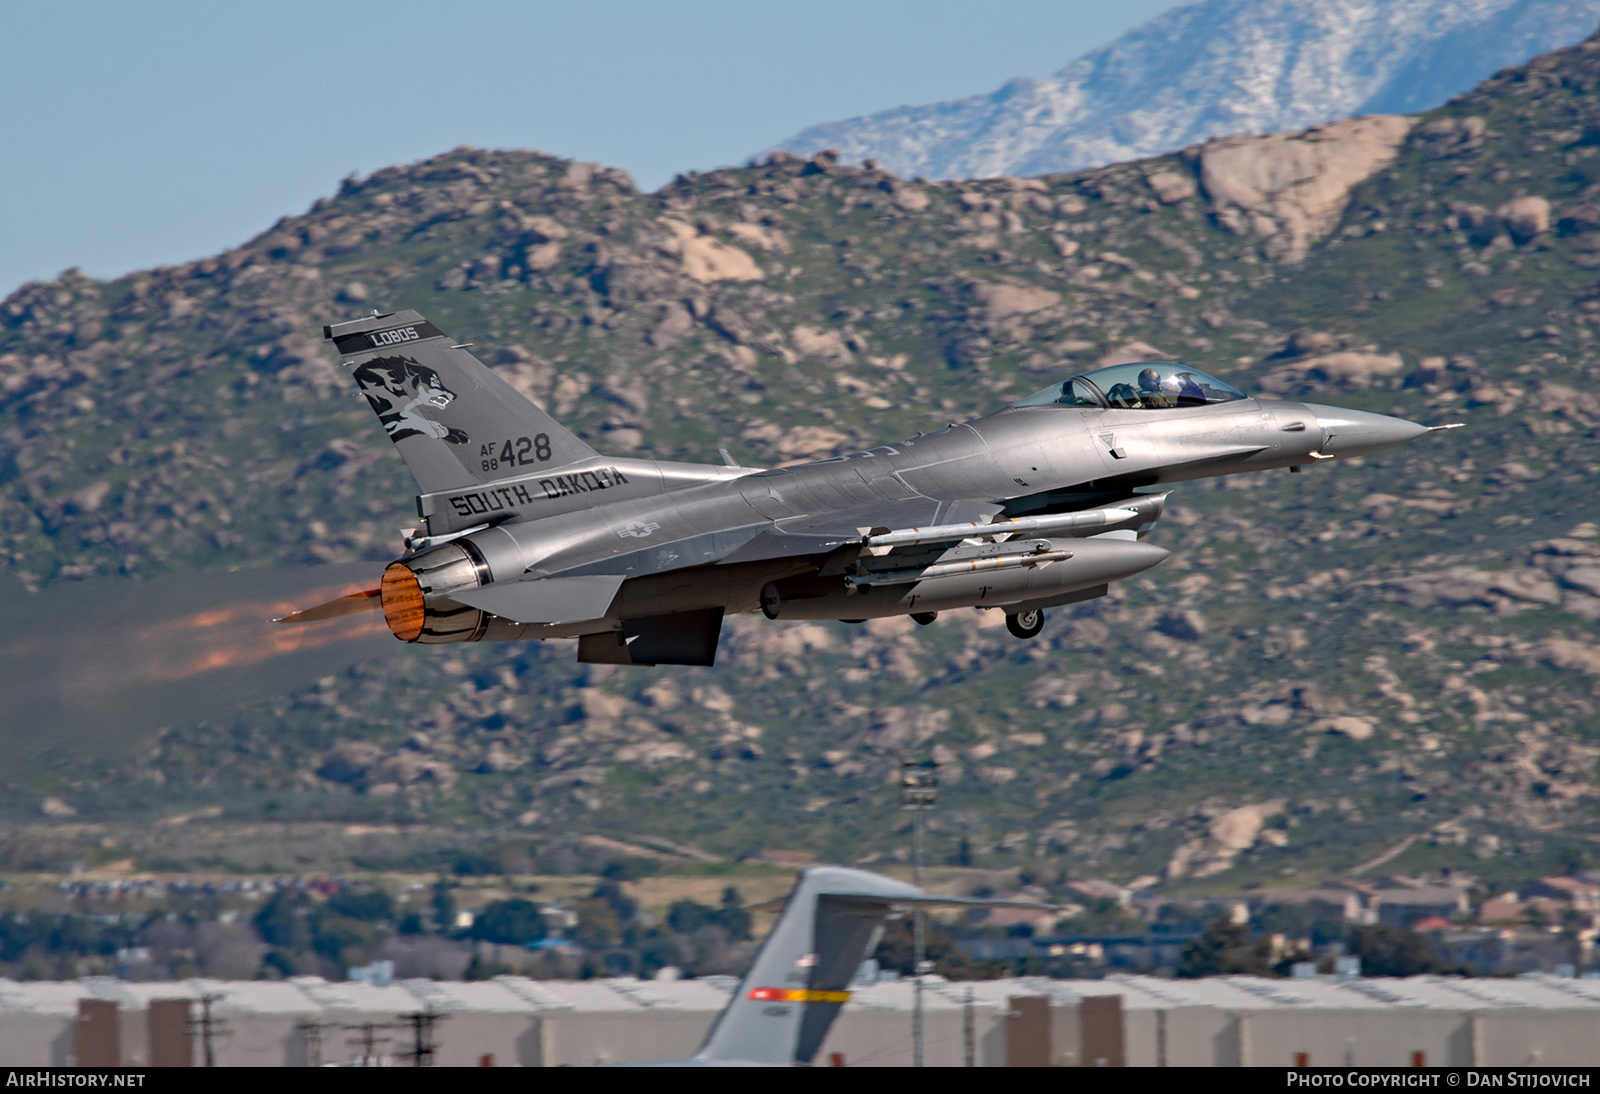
(454, 421)
(801, 975)
(800, 978)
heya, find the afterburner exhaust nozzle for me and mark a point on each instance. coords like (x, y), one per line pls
(1347, 433)
(415, 596)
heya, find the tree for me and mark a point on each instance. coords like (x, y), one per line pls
(1393, 951)
(282, 922)
(630, 869)
(621, 904)
(656, 951)
(896, 951)
(689, 916)
(732, 917)
(444, 906)
(1225, 948)
(336, 933)
(373, 906)
(598, 927)
(515, 922)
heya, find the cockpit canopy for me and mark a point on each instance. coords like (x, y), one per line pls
(1142, 385)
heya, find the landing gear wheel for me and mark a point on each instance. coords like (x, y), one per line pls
(924, 618)
(1026, 624)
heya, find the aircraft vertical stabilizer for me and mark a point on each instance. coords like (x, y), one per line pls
(801, 977)
(455, 422)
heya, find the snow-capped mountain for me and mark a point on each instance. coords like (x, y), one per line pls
(1208, 69)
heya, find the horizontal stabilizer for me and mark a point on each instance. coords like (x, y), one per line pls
(892, 903)
(547, 600)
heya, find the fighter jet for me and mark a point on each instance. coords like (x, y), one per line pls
(529, 533)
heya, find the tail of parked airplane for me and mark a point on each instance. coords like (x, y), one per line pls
(453, 420)
(800, 978)
(801, 975)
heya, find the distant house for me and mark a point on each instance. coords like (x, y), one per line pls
(1341, 903)
(1404, 907)
(1505, 908)
(1584, 896)
(1509, 950)
(1097, 889)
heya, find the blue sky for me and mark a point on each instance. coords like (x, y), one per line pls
(134, 135)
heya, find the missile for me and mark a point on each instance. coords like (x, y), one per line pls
(1053, 522)
(948, 569)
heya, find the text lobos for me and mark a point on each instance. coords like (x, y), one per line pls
(393, 337)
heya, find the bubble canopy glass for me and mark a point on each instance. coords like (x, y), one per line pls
(1142, 385)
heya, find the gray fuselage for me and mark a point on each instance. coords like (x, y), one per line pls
(718, 543)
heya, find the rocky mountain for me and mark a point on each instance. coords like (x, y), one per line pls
(1391, 659)
(1209, 69)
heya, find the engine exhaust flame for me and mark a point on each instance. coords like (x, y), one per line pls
(242, 633)
(189, 645)
(364, 601)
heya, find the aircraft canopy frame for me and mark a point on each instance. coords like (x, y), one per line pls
(1137, 385)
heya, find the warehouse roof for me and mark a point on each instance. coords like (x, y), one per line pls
(516, 994)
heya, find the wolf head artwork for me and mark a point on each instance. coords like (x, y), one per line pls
(397, 388)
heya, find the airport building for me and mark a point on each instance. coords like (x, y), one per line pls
(514, 1021)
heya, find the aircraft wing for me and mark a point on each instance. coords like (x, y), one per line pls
(820, 533)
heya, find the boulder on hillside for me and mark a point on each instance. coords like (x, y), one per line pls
(1129, 352)
(706, 259)
(1569, 655)
(1290, 189)
(1526, 217)
(1344, 725)
(1185, 626)
(1346, 371)
(995, 302)
(349, 761)
(1227, 835)
(1502, 591)
(1170, 187)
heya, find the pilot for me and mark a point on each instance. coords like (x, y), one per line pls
(1123, 396)
(1151, 392)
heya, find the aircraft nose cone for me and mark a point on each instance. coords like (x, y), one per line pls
(1347, 433)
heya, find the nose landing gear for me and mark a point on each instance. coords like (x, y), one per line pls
(1026, 624)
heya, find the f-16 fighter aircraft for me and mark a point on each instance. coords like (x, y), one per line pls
(528, 533)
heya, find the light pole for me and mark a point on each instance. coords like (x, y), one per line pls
(919, 791)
